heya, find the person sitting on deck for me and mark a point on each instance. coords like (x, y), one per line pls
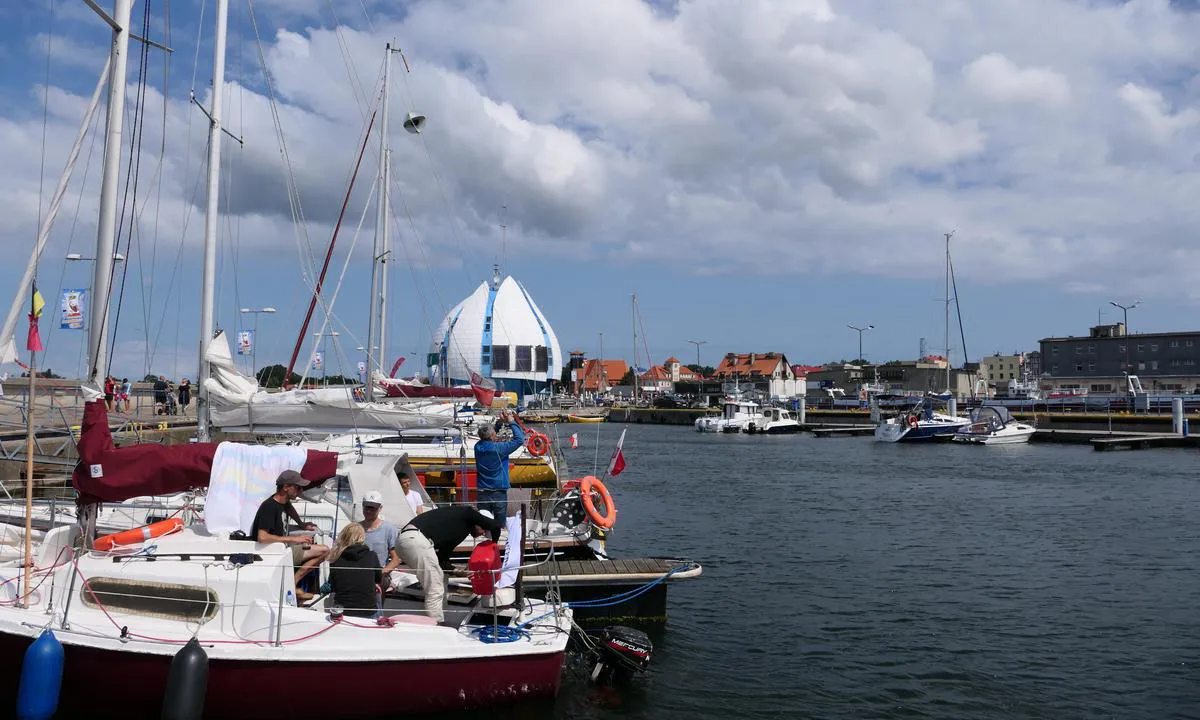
(380, 537)
(426, 542)
(491, 465)
(269, 527)
(354, 573)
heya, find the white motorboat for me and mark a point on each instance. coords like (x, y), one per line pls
(919, 423)
(991, 425)
(774, 421)
(736, 415)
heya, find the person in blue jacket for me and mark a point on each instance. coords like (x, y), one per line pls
(491, 466)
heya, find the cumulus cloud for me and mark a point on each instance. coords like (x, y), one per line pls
(758, 137)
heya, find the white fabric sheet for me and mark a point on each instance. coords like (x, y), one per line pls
(242, 477)
(512, 553)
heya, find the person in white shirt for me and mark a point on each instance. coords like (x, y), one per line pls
(414, 498)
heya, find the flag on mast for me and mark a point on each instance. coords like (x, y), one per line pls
(574, 440)
(617, 464)
(34, 342)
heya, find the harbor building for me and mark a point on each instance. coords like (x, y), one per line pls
(499, 332)
(996, 370)
(662, 378)
(600, 376)
(1100, 361)
(769, 373)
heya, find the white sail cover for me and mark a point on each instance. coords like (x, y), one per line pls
(236, 402)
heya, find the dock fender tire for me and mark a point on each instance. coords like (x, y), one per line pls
(591, 485)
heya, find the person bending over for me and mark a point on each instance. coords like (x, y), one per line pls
(426, 542)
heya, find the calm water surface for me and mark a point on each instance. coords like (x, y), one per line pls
(845, 578)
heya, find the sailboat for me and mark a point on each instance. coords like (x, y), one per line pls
(922, 421)
(192, 590)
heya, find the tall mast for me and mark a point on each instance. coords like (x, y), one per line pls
(948, 236)
(633, 315)
(377, 321)
(106, 233)
(211, 218)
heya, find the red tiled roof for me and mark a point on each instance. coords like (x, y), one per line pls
(670, 360)
(611, 371)
(749, 364)
(806, 369)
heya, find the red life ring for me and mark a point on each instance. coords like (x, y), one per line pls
(139, 535)
(587, 486)
(538, 444)
(912, 421)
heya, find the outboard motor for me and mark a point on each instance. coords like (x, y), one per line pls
(623, 651)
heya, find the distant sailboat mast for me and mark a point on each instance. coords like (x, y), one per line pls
(948, 236)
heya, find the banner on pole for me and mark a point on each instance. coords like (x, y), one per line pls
(362, 370)
(73, 309)
(245, 342)
(318, 360)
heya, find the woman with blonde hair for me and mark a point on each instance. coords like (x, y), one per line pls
(354, 573)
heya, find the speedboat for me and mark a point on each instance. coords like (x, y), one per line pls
(919, 423)
(774, 421)
(991, 425)
(736, 415)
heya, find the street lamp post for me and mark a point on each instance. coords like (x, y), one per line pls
(76, 257)
(321, 346)
(1125, 322)
(254, 343)
(860, 330)
(698, 343)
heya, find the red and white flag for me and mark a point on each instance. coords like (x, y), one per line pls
(617, 464)
(574, 440)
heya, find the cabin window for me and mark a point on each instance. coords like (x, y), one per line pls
(171, 601)
(500, 357)
(542, 359)
(524, 362)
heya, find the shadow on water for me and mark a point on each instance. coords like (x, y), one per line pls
(845, 578)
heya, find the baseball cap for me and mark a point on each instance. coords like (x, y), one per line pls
(373, 499)
(291, 477)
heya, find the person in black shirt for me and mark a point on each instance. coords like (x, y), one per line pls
(426, 542)
(269, 526)
(354, 573)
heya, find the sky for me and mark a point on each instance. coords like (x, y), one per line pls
(761, 173)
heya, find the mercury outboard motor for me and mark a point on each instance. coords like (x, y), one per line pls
(623, 651)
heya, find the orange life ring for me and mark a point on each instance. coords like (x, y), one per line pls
(589, 485)
(138, 535)
(912, 421)
(538, 444)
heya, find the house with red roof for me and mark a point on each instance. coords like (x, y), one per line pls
(767, 372)
(601, 375)
(662, 378)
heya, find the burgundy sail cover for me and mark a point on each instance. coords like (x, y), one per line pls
(106, 473)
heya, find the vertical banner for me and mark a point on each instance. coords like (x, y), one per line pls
(362, 371)
(318, 360)
(245, 342)
(73, 309)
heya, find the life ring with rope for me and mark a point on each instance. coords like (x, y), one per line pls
(587, 486)
(538, 444)
(138, 535)
(913, 421)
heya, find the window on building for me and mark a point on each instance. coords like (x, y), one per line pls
(1053, 349)
(1054, 369)
(524, 359)
(1153, 364)
(541, 359)
(1153, 347)
(1078, 349)
(500, 357)
(1175, 363)
(1173, 343)
(1189, 362)
(1101, 387)
(1078, 367)
(1187, 343)
(1091, 349)
(1121, 349)
(1091, 367)
(1141, 347)
(1141, 366)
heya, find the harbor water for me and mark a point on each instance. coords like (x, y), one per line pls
(845, 578)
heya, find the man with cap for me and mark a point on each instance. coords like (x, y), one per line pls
(381, 534)
(491, 465)
(426, 542)
(269, 526)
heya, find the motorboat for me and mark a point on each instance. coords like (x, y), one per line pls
(774, 421)
(992, 425)
(920, 422)
(736, 415)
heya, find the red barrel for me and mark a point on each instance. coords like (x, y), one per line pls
(484, 562)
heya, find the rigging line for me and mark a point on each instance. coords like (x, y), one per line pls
(299, 227)
(45, 122)
(958, 311)
(348, 62)
(199, 37)
(134, 171)
(148, 297)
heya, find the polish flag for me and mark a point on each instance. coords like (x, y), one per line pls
(574, 440)
(484, 390)
(617, 464)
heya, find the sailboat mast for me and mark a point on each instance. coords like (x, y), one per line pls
(633, 314)
(106, 233)
(211, 218)
(948, 236)
(377, 320)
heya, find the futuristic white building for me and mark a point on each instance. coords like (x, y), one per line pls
(500, 333)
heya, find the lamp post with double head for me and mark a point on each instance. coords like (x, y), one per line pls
(254, 341)
(1125, 328)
